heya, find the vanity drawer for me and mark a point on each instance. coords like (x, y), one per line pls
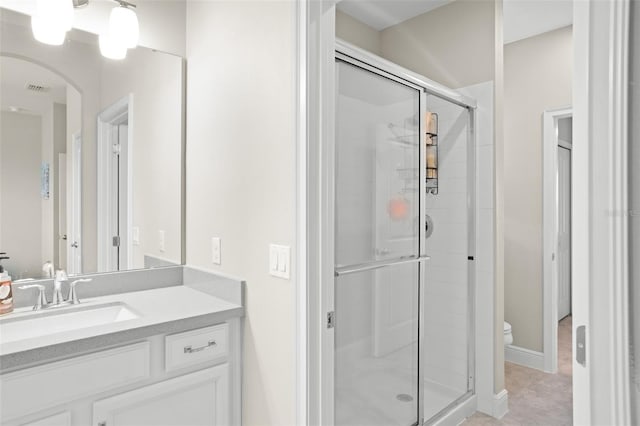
(38, 388)
(196, 346)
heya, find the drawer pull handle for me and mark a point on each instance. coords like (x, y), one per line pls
(190, 350)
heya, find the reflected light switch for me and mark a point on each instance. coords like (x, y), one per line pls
(161, 240)
(216, 257)
(280, 261)
(135, 235)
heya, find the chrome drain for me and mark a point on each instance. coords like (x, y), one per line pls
(404, 397)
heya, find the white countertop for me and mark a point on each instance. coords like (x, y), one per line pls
(154, 307)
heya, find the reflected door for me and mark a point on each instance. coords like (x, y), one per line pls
(564, 232)
(378, 269)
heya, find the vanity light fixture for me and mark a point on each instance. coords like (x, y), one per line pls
(123, 24)
(52, 20)
(123, 32)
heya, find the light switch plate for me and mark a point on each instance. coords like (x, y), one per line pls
(216, 256)
(161, 238)
(280, 261)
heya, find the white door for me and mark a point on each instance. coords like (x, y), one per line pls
(74, 212)
(377, 248)
(196, 399)
(114, 187)
(62, 212)
(564, 232)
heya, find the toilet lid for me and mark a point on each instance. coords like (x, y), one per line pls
(507, 327)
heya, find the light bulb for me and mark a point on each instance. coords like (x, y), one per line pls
(46, 33)
(111, 48)
(52, 20)
(123, 26)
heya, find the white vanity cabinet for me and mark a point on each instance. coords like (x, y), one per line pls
(185, 378)
(196, 399)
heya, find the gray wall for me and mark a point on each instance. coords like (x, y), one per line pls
(538, 77)
(20, 206)
(357, 33)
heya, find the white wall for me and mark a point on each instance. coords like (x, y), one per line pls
(241, 162)
(538, 77)
(634, 205)
(21, 212)
(155, 81)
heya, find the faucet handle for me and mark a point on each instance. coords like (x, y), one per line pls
(73, 294)
(41, 301)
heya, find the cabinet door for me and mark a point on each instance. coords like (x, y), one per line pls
(60, 419)
(200, 398)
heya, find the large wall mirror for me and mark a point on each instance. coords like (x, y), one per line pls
(91, 155)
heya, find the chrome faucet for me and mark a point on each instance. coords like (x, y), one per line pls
(48, 269)
(73, 294)
(41, 301)
(57, 287)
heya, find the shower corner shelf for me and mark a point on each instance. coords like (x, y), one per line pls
(431, 139)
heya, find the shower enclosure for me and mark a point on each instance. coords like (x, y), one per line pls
(403, 289)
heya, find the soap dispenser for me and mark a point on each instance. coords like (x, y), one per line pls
(6, 295)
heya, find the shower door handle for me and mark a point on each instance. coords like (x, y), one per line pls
(346, 270)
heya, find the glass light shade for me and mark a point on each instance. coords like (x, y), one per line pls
(110, 48)
(123, 26)
(46, 33)
(53, 18)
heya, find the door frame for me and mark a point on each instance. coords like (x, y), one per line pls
(601, 388)
(105, 123)
(74, 213)
(550, 234)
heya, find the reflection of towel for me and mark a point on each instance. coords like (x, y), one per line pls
(431, 122)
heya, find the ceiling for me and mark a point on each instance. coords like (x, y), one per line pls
(527, 18)
(522, 18)
(381, 14)
(16, 74)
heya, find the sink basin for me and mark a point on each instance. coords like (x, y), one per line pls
(59, 320)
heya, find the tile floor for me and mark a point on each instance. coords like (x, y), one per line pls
(535, 397)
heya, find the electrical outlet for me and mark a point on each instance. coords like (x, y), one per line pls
(216, 255)
(280, 261)
(161, 238)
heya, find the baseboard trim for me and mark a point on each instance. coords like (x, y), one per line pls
(525, 357)
(458, 414)
(500, 404)
(496, 405)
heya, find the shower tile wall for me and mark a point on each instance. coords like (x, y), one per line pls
(446, 295)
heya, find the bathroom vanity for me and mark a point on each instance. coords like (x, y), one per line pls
(168, 355)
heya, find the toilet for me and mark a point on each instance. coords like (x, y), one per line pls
(508, 337)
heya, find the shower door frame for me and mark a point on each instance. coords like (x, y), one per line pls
(373, 63)
(352, 58)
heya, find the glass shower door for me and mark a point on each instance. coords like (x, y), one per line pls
(377, 217)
